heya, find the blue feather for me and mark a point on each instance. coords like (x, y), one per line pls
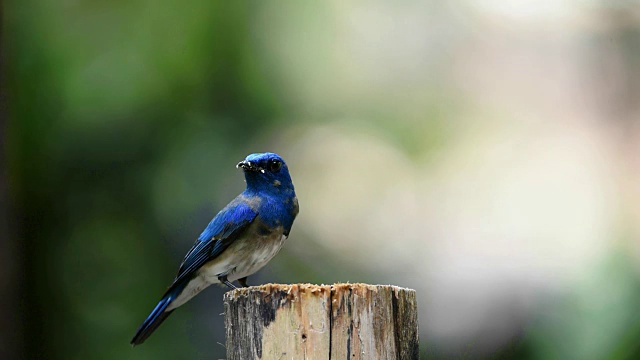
(158, 315)
(217, 236)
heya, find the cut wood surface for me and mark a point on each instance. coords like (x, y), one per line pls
(304, 321)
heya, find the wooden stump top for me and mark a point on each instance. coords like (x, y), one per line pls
(306, 321)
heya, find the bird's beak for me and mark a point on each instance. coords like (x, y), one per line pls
(246, 165)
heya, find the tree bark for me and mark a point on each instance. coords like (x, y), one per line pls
(304, 321)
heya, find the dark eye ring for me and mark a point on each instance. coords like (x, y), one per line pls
(274, 165)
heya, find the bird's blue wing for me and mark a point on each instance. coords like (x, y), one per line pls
(221, 231)
(216, 237)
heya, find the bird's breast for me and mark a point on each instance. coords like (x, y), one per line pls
(247, 254)
(265, 249)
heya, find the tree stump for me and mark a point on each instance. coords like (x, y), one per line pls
(304, 321)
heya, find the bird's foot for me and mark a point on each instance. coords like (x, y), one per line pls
(243, 281)
(223, 279)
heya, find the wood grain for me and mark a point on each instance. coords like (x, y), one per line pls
(304, 321)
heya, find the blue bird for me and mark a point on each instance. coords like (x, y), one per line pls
(239, 241)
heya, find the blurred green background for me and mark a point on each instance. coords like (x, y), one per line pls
(482, 153)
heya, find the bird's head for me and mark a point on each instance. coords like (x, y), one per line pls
(266, 171)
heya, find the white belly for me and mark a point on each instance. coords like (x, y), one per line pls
(243, 257)
(257, 259)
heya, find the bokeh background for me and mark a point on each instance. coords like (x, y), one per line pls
(484, 153)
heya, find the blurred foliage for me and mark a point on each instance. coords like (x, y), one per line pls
(106, 101)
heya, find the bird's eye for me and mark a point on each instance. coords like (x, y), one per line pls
(274, 165)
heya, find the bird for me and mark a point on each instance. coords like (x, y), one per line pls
(239, 241)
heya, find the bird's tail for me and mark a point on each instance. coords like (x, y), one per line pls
(157, 316)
